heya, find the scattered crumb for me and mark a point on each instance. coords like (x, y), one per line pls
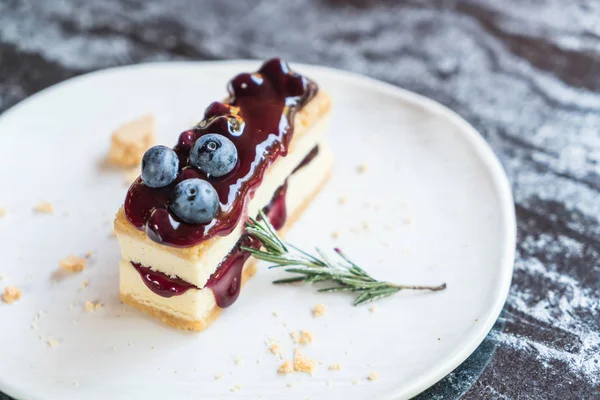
(284, 324)
(131, 140)
(439, 338)
(343, 200)
(303, 363)
(84, 284)
(319, 310)
(302, 337)
(218, 376)
(373, 376)
(89, 254)
(335, 235)
(74, 322)
(355, 382)
(11, 294)
(2, 277)
(235, 388)
(275, 314)
(238, 361)
(362, 168)
(290, 384)
(286, 368)
(44, 208)
(3, 212)
(329, 383)
(335, 367)
(33, 325)
(365, 225)
(274, 348)
(373, 308)
(475, 319)
(52, 342)
(90, 306)
(114, 348)
(73, 264)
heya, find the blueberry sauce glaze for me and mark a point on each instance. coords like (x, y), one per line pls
(258, 118)
(227, 279)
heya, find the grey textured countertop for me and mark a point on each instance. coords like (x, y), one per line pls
(525, 73)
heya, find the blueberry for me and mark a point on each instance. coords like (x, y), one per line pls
(214, 154)
(159, 166)
(195, 201)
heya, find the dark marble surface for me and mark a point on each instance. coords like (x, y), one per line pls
(526, 73)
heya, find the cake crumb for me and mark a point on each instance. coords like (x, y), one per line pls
(74, 322)
(319, 310)
(335, 367)
(238, 360)
(52, 342)
(218, 376)
(274, 348)
(343, 200)
(362, 168)
(89, 254)
(3, 212)
(335, 234)
(302, 337)
(329, 382)
(73, 264)
(303, 363)
(355, 382)
(275, 314)
(44, 207)
(33, 325)
(130, 141)
(235, 388)
(2, 277)
(286, 368)
(373, 376)
(373, 308)
(84, 284)
(289, 384)
(11, 294)
(90, 306)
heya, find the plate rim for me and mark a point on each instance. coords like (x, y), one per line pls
(466, 130)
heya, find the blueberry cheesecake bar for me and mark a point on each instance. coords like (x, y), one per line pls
(181, 227)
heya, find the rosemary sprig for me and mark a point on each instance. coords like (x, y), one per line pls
(308, 268)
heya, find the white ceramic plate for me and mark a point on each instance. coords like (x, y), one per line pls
(437, 203)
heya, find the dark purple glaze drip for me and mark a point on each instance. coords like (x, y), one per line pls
(162, 284)
(309, 157)
(276, 210)
(258, 117)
